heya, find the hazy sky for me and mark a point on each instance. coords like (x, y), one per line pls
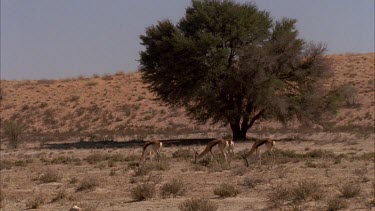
(48, 39)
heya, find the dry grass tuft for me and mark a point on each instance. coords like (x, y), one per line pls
(88, 183)
(143, 192)
(61, 195)
(49, 176)
(349, 190)
(35, 202)
(334, 204)
(240, 170)
(251, 182)
(2, 199)
(226, 190)
(183, 153)
(305, 190)
(279, 195)
(302, 192)
(142, 171)
(198, 204)
(5, 164)
(146, 168)
(174, 188)
(96, 158)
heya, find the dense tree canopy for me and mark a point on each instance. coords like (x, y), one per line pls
(231, 63)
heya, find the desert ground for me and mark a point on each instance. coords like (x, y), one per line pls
(83, 145)
(308, 172)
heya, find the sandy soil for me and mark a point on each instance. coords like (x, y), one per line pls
(348, 159)
(121, 103)
(56, 163)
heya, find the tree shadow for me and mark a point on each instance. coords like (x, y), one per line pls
(137, 143)
(124, 144)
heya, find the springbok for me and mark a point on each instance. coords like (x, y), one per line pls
(267, 145)
(226, 148)
(150, 148)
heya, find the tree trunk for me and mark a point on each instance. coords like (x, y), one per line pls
(239, 129)
(238, 132)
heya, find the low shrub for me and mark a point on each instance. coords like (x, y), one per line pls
(174, 188)
(61, 195)
(36, 201)
(302, 192)
(349, 190)
(250, 182)
(198, 204)
(49, 176)
(183, 153)
(88, 183)
(305, 190)
(143, 192)
(279, 195)
(226, 190)
(334, 204)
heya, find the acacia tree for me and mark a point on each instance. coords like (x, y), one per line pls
(230, 63)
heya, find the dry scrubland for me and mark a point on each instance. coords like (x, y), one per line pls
(331, 172)
(326, 169)
(120, 104)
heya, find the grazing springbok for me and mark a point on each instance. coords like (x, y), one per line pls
(225, 147)
(150, 148)
(266, 145)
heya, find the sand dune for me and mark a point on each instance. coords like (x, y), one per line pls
(121, 102)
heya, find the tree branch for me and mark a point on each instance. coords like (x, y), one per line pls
(256, 117)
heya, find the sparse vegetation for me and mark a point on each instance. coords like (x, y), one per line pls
(143, 192)
(5, 164)
(49, 175)
(338, 157)
(61, 195)
(13, 130)
(198, 204)
(174, 188)
(88, 184)
(349, 190)
(350, 95)
(2, 199)
(126, 109)
(36, 201)
(240, 171)
(302, 192)
(251, 182)
(92, 83)
(306, 190)
(73, 98)
(226, 190)
(183, 153)
(335, 204)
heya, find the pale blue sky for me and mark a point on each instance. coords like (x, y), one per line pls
(49, 39)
